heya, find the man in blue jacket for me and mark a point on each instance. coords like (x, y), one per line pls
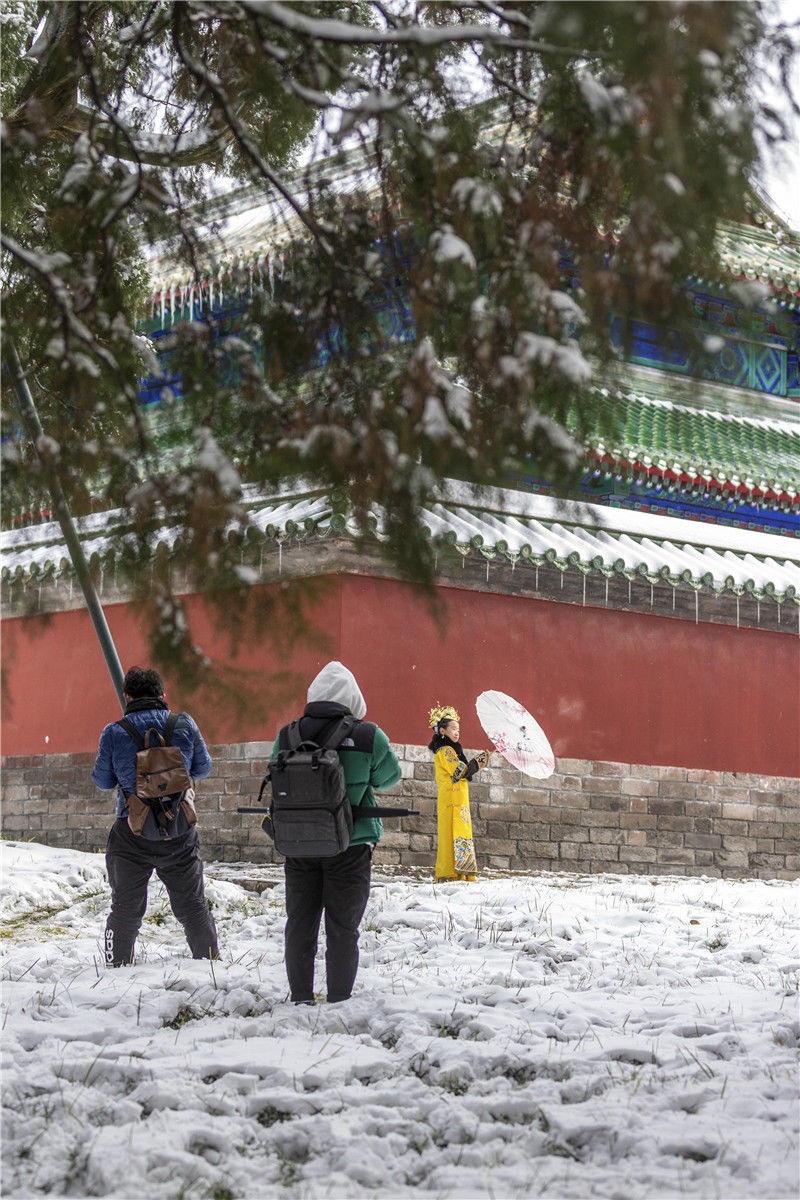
(131, 859)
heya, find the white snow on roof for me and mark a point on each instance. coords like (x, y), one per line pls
(492, 521)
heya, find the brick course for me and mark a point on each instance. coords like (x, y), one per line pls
(588, 816)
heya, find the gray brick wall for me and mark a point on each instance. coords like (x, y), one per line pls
(588, 816)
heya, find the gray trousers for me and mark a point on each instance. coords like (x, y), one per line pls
(130, 862)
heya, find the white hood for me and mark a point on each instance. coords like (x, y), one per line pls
(336, 683)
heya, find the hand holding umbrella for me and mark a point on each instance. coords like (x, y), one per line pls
(516, 734)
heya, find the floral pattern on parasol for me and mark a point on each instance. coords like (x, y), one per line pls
(515, 733)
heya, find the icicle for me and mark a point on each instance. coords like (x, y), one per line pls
(696, 606)
(172, 304)
(561, 584)
(487, 570)
(651, 595)
(629, 591)
(606, 593)
(163, 307)
(583, 601)
(673, 599)
(280, 558)
(758, 613)
(737, 612)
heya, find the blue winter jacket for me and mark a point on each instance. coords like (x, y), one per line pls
(115, 765)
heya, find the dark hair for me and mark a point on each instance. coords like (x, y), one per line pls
(440, 738)
(143, 681)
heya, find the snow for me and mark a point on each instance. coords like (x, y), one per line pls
(711, 553)
(210, 457)
(544, 1035)
(566, 359)
(480, 197)
(676, 529)
(446, 247)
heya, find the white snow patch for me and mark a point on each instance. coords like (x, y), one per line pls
(447, 246)
(556, 1035)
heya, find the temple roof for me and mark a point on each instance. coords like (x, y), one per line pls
(493, 523)
(255, 240)
(767, 254)
(249, 228)
(682, 438)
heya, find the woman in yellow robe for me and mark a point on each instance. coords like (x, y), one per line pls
(455, 852)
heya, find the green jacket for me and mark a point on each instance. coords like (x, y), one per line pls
(368, 761)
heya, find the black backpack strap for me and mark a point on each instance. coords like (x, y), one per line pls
(132, 731)
(338, 732)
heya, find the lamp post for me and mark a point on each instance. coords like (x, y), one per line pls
(33, 428)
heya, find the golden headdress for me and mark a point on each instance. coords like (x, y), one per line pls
(442, 712)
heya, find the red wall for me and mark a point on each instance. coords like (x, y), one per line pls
(624, 687)
(606, 685)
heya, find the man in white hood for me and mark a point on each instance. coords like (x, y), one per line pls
(336, 685)
(339, 885)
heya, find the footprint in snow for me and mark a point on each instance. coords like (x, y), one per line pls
(630, 1052)
(695, 1030)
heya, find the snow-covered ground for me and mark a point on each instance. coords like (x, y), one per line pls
(547, 1035)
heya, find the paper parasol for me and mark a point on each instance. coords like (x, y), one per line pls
(516, 734)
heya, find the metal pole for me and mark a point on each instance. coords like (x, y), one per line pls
(33, 428)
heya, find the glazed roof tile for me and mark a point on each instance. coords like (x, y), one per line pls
(662, 435)
(771, 255)
(505, 523)
(249, 227)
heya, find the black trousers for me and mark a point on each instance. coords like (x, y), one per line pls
(339, 887)
(130, 861)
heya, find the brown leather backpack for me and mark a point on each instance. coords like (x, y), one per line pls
(162, 781)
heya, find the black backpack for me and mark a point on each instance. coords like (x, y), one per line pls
(162, 781)
(310, 815)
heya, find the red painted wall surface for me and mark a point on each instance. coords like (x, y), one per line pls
(624, 687)
(605, 685)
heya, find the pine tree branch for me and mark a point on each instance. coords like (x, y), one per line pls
(242, 135)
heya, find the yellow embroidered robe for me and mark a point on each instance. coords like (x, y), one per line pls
(455, 854)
